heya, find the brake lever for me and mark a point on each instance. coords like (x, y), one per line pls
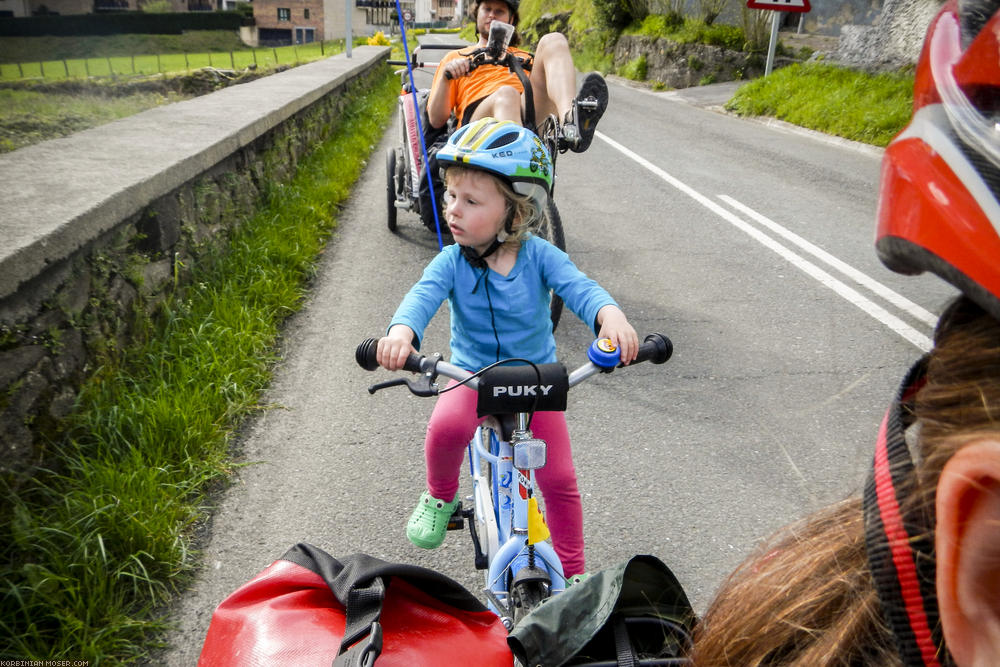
(383, 385)
(424, 386)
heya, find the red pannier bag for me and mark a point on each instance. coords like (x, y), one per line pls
(309, 608)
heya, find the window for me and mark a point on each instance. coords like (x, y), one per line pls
(284, 14)
(305, 13)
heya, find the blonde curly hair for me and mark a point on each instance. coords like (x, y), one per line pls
(524, 217)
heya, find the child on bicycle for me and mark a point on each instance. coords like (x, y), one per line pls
(497, 280)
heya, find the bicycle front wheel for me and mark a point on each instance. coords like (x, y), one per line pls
(525, 596)
(487, 493)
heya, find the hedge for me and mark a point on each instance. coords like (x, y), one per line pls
(119, 23)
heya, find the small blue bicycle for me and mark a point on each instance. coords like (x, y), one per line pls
(506, 525)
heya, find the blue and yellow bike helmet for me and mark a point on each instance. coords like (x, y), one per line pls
(505, 149)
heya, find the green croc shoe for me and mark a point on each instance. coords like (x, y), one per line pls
(575, 579)
(429, 521)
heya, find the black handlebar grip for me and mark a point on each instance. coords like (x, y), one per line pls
(473, 64)
(656, 348)
(412, 363)
(365, 354)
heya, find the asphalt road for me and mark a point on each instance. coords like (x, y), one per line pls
(748, 243)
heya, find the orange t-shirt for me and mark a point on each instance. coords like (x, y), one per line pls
(483, 81)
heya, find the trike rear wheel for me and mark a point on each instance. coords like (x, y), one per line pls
(552, 231)
(390, 189)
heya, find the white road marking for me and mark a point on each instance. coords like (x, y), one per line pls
(894, 323)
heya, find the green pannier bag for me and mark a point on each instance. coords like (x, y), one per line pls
(633, 615)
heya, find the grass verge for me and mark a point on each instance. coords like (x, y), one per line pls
(28, 116)
(94, 546)
(871, 108)
(167, 63)
(29, 49)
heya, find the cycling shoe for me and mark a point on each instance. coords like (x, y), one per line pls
(581, 120)
(429, 521)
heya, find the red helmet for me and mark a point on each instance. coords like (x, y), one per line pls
(938, 200)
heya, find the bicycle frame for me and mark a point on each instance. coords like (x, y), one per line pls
(500, 496)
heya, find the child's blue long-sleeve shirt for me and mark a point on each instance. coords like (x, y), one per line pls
(519, 300)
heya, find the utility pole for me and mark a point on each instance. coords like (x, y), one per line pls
(347, 32)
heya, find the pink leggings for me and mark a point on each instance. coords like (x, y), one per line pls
(451, 427)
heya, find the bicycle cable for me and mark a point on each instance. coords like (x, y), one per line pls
(420, 129)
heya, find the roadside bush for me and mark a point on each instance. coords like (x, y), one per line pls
(635, 69)
(691, 31)
(756, 28)
(711, 9)
(615, 14)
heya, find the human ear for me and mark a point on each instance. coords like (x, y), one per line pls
(967, 549)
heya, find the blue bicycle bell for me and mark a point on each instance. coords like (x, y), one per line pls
(603, 353)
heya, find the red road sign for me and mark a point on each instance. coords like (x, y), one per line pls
(780, 5)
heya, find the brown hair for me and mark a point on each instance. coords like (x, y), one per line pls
(807, 597)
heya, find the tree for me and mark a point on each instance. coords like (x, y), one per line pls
(711, 9)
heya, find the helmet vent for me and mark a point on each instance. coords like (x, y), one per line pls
(503, 140)
(987, 170)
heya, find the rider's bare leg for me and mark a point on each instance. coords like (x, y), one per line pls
(503, 104)
(553, 76)
(553, 84)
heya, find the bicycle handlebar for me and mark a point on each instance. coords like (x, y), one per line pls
(484, 57)
(656, 348)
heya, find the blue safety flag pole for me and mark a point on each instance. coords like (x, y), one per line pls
(420, 129)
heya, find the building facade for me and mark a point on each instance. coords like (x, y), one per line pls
(289, 21)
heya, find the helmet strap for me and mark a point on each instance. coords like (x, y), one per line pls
(508, 225)
(478, 261)
(899, 541)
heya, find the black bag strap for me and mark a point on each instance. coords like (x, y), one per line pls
(362, 641)
(623, 645)
(359, 582)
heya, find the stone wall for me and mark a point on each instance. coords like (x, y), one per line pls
(895, 38)
(683, 65)
(825, 17)
(107, 223)
(892, 40)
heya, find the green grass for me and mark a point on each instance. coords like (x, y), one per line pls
(27, 116)
(26, 49)
(691, 31)
(635, 69)
(145, 64)
(843, 102)
(95, 546)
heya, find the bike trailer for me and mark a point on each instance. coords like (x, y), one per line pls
(308, 608)
(633, 615)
